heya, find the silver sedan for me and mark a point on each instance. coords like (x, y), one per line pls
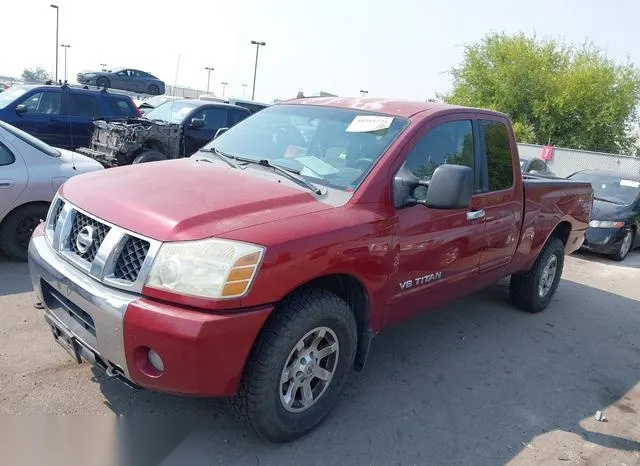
(30, 174)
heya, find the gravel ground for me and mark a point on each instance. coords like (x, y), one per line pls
(475, 382)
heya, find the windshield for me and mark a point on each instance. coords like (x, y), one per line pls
(610, 188)
(10, 95)
(33, 142)
(332, 146)
(157, 100)
(171, 112)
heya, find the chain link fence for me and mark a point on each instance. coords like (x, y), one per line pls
(567, 161)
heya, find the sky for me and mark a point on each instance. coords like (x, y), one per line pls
(401, 49)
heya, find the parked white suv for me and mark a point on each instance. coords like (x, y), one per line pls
(30, 174)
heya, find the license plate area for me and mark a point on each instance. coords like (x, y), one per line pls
(70, 343)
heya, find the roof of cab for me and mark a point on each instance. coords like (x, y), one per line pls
(395, 107)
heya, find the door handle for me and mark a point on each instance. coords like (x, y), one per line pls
(6, 183)
(476, 214)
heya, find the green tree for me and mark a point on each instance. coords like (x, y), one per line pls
(571, 96)
(38, 75)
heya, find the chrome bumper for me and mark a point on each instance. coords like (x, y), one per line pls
(80, 306)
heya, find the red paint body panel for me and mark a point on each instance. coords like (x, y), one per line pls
(203, 353)
(205, 342)
(183, 199)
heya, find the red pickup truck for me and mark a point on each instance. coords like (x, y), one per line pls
(261, 267)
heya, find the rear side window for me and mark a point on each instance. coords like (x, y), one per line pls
(6, 156)
(122, 106)
(236, 116)
(498, 155)
(83, 105)
(450, 142)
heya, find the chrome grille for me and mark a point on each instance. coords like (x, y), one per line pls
(56, 213)
(131, 259)
(112, 255)
(100, 230)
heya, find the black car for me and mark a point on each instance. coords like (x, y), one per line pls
(615, 226)
(535, 166)
(177, 128)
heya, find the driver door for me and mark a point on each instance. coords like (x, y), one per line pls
(438, 251)
(195, 138)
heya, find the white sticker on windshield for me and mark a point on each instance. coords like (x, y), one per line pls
(317, 165)
(630, 183)
(369, 124)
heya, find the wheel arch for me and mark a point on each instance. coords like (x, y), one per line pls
(355, 294)
(23, 206)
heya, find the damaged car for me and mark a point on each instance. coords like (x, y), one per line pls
(172, 130)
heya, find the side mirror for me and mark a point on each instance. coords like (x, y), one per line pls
(537, 165)
(21, 109)
(220, 131)
(450, 187)
(196, 123)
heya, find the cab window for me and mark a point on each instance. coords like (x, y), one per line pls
(450, 143)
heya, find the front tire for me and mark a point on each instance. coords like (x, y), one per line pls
(17, 227)
(533, 291)
(298, 367)
(625, 246)
(150, 156)
(103, 83)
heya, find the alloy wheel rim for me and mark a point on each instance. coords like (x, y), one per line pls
(626, 244)
(309, 369)
(548, 276)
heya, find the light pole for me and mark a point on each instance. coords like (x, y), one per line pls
(255, 69)
(209, 70)
(57, 23)
(224, 87)
(364, 92)
(65, 60)
(104, 66)
(244, 88)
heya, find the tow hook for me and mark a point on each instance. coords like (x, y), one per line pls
(38, 305)
(112, 371)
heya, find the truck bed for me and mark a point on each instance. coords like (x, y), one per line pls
(549, 202)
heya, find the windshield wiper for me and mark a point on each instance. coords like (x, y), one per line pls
(288, 172)
(229, 159)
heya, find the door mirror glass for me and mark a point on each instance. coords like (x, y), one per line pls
(21, 109)
(451, 187)
(196, 123)
(220, 131)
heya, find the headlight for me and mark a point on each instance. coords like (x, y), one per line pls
(605, 224)
(211, 268)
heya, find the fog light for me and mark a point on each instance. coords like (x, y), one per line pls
(155, 360)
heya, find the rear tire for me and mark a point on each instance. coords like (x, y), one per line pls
(150, 156)
(17, 227)
(625, 246)
(533, 291)
(273, 397)
(154, 90)
(103, 83)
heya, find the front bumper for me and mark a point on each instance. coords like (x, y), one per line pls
(203, 353)
(603, 240)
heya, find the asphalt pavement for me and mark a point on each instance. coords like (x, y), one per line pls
(475, 382)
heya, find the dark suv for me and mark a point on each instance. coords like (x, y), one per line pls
(174, 129)
(62, 116)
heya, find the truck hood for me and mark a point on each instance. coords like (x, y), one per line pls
(184, 199)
